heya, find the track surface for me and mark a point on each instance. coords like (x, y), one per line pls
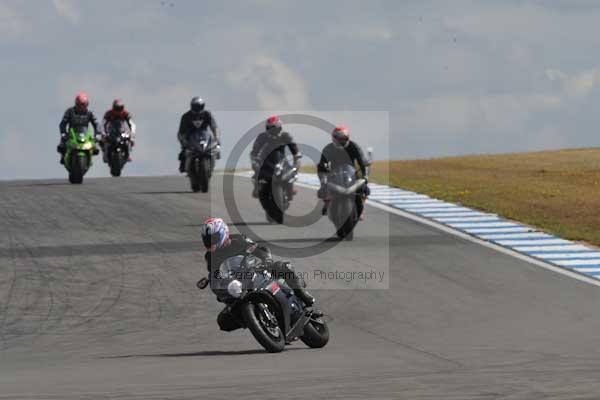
(97, 300)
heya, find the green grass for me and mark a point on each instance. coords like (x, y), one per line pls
(556, 191)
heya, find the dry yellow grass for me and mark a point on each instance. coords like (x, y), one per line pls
(557, 191)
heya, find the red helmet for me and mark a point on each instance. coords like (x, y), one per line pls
(118, 105)
(273, 125)
(340, 135)
(82, 101)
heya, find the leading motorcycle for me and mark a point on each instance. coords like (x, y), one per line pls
(80, 148)
(266, 306)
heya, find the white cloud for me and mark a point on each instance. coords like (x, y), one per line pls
(500, 20)
(275, 84)
(68, 10)
(103, 89)
(463, 113)
(12, 25)
(362, 32)
(576, 85)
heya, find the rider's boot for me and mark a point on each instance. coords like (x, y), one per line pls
(306, 297)
(325, 207)
(255, 188)
(181, 162)
(61, 150)
(105, 155)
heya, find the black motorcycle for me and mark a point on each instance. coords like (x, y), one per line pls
(343, 187)
(275, 183)
(119, 148)
(266, 306)
(200, 153)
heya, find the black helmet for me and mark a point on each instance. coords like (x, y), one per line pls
(197, 104)
(118, 105)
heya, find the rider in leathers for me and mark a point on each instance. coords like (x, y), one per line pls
(266, 146)
(342, 151)
(221, 245)
(118, 112)
(197, 118)
(76, 117)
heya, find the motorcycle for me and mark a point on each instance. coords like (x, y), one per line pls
(119, 147)
(80, 148)
(201, 151)
(266, 306)
(342, 188)
(275, 182)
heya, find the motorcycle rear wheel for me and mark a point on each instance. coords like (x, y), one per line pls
(315, 335)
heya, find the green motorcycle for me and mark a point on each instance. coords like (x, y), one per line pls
(80, 147)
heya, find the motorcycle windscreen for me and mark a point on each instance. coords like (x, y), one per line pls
(82, 136)
(201, 139)
(119, 128)
(344, 175)
(231, 266)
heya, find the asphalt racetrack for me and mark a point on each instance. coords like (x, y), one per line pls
(98, 301)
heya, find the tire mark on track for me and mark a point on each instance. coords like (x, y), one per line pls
(9, 296)
(38, 293)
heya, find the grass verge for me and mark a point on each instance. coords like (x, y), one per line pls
(556, 191)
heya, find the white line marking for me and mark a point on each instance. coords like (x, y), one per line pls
(533, 249)
(558, 256)
(529, 235)
(587, 270)
(408, 203)
(484, 225)
(404, 196)
(428, 205)
(578, 262)
(455, 214)
(468, 219)
(496, 230)
(533, 242)
(423, 211)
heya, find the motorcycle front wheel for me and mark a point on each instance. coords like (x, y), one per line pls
(264, 326)
(116, 163)
(204, 173)
(78, 169)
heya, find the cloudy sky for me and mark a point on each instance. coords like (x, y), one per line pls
(456, 77)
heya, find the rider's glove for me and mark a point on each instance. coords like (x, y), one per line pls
(255, 165)
(297, 158)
